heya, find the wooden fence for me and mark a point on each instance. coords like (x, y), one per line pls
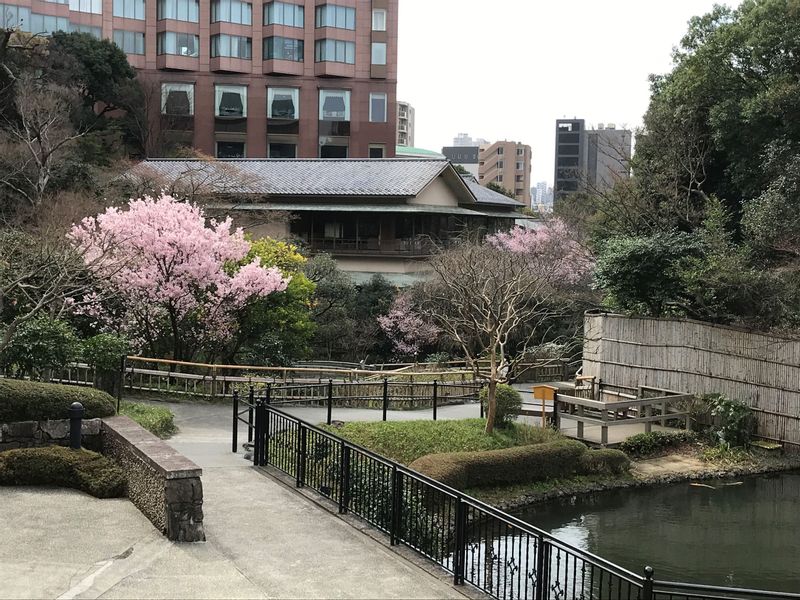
(700, 358)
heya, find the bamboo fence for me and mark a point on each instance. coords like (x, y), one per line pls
(700, 358)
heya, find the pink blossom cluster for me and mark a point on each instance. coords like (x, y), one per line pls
(553, 248)
(162, 257)
(408, 331)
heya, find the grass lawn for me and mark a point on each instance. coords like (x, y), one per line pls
(406, 441)
(156, 419)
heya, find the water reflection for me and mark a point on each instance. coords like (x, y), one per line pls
(745, 535)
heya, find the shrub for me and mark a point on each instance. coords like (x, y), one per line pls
(79, 469)
(34, 401)
(735, 419)
(604, 462)
(105, 351)
(40, 344)
(521, 464)
(509, 404)
(156, 419)
(646, 444)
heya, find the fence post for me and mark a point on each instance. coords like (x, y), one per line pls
(258, 437)
(480, 401)
(121, 383)
(397, 506)
(330, 401)
(235, 433)
(267, 426)
(302, 434)
(385, 397)
(435, 398)
(76, 412)
(460, 549)
(542, 560)
(647, 587)
(344, 480)
(251, 399)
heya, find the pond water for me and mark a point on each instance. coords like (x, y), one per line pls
(745, 535)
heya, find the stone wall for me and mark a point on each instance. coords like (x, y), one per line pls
(162, 483)
(32, 434)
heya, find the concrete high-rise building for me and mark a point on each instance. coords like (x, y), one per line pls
(464, 156)
(508, 164)
(405, 124)
(463, 139)
(235, 78)
(590, 160)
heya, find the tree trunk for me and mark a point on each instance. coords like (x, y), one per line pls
(491, 405)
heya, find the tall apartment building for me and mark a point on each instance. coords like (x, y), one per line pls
(508, 164)
(405, 124)
(590, 160)
(234, 78)
(463, 139)
(467, 157)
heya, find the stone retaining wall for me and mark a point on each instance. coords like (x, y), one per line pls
(162, 483)
(32, 434)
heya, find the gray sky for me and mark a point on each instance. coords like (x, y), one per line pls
(506, 69)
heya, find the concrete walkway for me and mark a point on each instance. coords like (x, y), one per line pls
(264, 540)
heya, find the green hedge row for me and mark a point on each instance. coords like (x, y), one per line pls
(655, 442)
(521, 464)
(55, 465)
(22, 400)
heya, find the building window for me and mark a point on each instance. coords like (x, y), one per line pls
(93, 31)
(500, 150)
(520, 165)
(129, 9)
(500, 164)
(179, 10)
(230, 101)
(231, 46)
(232, 11)
(520, 178)
(520, 151)
(230, 149)
(377, 108)
(332, 15)
(333, 230)
(18, 16)
(56, 1)
(335, 51)
(499, 178)
(45, 24)
(177, 99)
(378, 53)
(131, 42)
(334, 105)
(378, 19)
(281, 150)
(281, 48)
(377, 151)
(283, 103)
(179, 44)
(283, 13)
(87, 6)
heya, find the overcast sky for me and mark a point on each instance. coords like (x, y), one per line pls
(506, 69)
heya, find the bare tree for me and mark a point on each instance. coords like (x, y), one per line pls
(493, 304)
(37, 138)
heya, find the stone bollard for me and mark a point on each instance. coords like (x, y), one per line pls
(76, 412)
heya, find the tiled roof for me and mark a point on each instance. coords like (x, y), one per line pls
(486, 196)
(299, 177)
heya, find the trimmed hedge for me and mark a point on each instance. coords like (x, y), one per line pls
(22, 400)
(655, 442)
(55, 465)
(521, 464)
(605, 461)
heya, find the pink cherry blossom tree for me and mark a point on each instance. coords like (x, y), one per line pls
(179, 288)
(407, 330)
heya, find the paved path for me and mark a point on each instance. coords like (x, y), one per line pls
(264, 540)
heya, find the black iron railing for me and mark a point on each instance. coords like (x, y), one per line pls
(478, 544)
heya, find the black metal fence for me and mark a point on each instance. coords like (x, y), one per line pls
(478, 544)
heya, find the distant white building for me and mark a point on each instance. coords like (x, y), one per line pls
(463, 139)
(405, 124)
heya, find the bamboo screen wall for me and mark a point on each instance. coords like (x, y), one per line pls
(699, 358)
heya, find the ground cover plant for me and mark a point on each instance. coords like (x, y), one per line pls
(656, 442)
(156, 419)
(22, 400)
(406, 441)
(55, 465)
